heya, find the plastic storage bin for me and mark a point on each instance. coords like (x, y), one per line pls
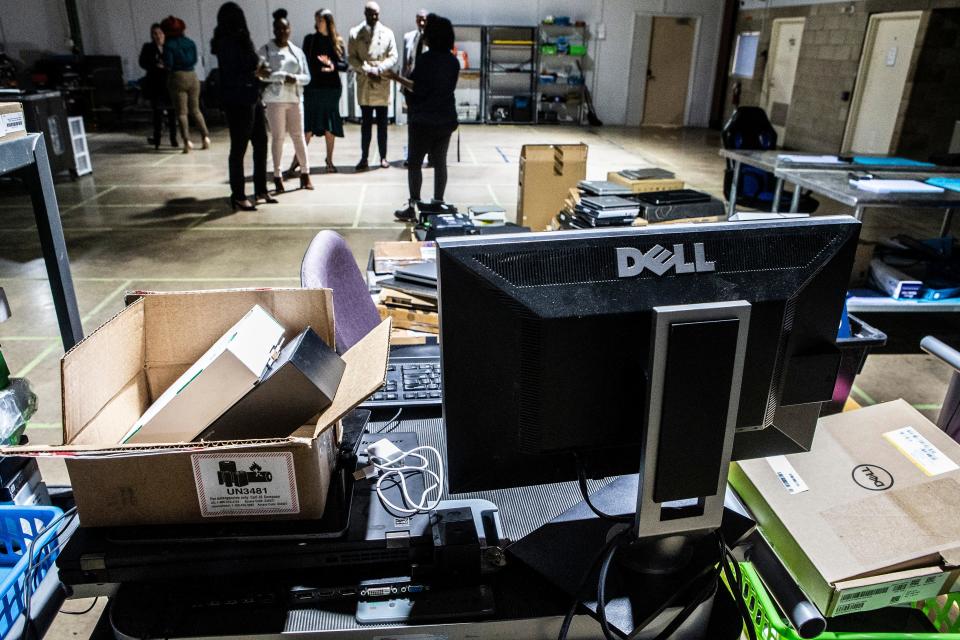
(853, 353)
(18, 526)
(770, 625)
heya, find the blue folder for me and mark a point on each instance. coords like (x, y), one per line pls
(953, 184)
(891, 162)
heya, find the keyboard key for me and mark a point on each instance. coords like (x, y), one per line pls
(391, 367)
(421, 395)
(409, 396)
(378, 396)
(391, 396)
(433, 387)
(410, 367)
(434, 394)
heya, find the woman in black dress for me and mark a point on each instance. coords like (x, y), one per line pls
(321, 98)
(432, 111)
(154, 86)
(240, 99)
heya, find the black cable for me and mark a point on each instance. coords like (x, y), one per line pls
(608, 631)
(577, 595)
(735, 579)
(85, 611)
(585, 494)
(710, 571)
(394, 419)
(709, 588)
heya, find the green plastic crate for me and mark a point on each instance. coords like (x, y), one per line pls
(943, 612)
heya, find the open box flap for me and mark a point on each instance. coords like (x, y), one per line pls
(366, 371)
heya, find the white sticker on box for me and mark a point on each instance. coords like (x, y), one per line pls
(245, 484)
(906, 591)
(787, 475)
(921, 451)
(428, 251)
(13, 122)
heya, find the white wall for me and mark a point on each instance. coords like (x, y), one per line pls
(119, 27)
(33, 29)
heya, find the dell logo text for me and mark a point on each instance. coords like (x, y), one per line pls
(632, 262)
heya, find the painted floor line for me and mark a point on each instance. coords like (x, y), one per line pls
(863, 395)
(363, 196)
(87, 201)
(40, 357)
(493, 195)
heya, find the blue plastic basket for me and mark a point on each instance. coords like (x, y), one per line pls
(18, 526)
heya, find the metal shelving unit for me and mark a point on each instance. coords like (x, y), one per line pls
(26, 158)
(469, 93)
(566, 100)
(509, 76)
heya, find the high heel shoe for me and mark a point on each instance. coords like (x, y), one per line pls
(278, 185)
(293, 167)
(266, 198)
(242, 205)
(331, 168)
(206, 142)
(305, 182)
(187, 146)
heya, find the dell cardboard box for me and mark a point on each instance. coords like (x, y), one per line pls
(547, 173)
(870, 516)
(113, 375)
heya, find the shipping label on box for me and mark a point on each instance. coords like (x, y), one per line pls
(11, 123)
(245, 484)
(870, 597)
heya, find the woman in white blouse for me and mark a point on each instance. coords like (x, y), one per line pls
(286, 73)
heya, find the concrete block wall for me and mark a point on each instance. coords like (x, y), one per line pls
(933, 96)
(826, 74)
(827, 69)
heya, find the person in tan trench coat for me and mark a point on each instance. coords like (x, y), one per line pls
(372, 50)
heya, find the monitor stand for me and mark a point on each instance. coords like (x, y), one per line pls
(676, 502)
(565, 549)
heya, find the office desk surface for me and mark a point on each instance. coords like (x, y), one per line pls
(527, 605)
(836, 186)
(770, 161)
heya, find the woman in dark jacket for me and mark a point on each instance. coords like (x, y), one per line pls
(321, 98)
(154, 86)
(432, 110)
(240, 100)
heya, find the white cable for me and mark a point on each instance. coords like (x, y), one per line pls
(396, 469)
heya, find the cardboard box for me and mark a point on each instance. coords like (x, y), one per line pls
(870, 517)
(547, 173)
(390, 254)
(224, 374)
(645, 186)
(425, 321)
(301, 383)
(12, 123)
(110, 377)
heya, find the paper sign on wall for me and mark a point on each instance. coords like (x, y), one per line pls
(245, 484)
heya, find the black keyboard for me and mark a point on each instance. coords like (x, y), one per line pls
(411, 382)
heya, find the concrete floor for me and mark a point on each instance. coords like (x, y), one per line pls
(152, 219)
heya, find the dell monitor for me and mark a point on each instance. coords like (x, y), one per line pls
(666, 350)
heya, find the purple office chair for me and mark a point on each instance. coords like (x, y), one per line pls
(329, 263)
